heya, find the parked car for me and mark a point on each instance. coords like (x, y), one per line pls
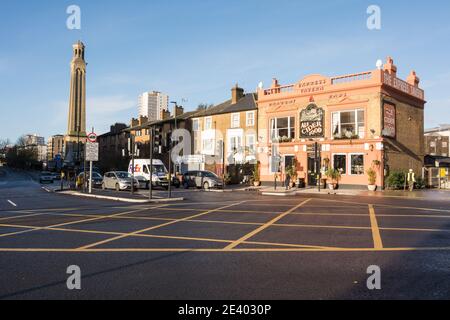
(46, 177)
(119, 180)
(97, 179)
(201, 179)
(56, 175)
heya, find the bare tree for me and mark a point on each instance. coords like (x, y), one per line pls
(4, 143)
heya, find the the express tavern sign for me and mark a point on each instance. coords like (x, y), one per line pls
(312, 122)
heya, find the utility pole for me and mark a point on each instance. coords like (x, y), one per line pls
(152, 142)
(175, 105)
(317, 164)
(132, 163)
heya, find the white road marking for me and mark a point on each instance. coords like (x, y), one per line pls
(12, 203)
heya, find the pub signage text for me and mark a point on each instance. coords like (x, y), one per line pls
(312, 122)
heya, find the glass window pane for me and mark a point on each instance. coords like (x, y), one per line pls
(336, 124)
(348, 117)
(340, 163)
(282, 123)
(357, 162)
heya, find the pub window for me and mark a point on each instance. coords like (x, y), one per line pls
(282, 129)
(348, 124)
(340, 163)
(357, 164)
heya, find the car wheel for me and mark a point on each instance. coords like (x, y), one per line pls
(186, 185)
(206, 186)
(117, 187)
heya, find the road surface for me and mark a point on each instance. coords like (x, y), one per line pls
(233, 245)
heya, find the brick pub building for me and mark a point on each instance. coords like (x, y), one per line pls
(367, 120)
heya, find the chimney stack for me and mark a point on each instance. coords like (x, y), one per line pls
(236, 94)
(413, 79)
(165, 114)
(179, 110)
(390, 67)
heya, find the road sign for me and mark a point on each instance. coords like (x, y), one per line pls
(92, 137)
(91, 151)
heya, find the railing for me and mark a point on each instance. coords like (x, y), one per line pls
(277, 90)
(352, 78)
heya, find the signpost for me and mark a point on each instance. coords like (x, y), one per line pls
(91, 155)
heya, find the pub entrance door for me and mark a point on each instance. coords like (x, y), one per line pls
(313, 169)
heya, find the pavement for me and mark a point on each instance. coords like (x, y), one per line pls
(236, 245)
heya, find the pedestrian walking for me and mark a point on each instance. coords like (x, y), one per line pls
(288, 180)
(411, 179)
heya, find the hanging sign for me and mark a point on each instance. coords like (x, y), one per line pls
(312, 122)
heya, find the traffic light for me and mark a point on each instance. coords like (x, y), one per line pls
(157, 142)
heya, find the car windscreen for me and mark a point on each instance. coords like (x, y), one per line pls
(210, 175)
(159, 169)
(123, 175)
(96, 175)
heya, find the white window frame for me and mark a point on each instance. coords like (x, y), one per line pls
(349, 165)
(233, 126)
(198, 125)
(356, 121)
(346, 161)
(250, 121)
(290, 126)
(206, 123)
(254, 142)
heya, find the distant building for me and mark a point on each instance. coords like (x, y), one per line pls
(437, 145)
(113, 148)
(140, 129)
(437, 156)
(442, 130)
(152, 104)
(34, 140)
(55, 146)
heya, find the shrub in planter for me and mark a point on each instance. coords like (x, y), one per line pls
(334, 175)
(256, 176)
(396, 180)
(372, 177)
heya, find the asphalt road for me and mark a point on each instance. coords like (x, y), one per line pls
(234, 245)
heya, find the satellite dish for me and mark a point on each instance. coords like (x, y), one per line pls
(379, 64)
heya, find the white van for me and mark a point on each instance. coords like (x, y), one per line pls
(142, 173)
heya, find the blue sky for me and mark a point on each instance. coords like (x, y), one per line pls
(197, 49)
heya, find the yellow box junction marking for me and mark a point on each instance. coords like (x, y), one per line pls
(157, 226)
(377, 242)
(264, 226)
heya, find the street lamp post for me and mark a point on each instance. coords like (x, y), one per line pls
(152, 142)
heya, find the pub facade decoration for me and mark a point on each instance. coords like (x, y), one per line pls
(312, 122)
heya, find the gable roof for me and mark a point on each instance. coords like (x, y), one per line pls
(247, 103)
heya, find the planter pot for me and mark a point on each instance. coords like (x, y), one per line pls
(333, 186)
(372, 187)
(257, 183)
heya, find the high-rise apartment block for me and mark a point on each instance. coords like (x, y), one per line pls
(153, 104)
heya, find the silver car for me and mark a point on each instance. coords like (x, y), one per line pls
(201, 179)
(119, 180)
